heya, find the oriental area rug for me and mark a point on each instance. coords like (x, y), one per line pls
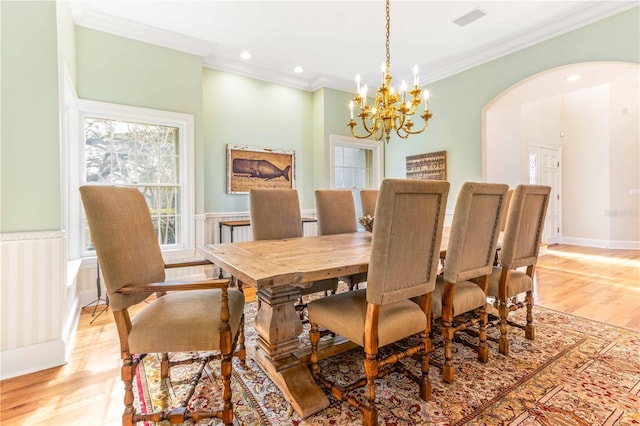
(576, 372)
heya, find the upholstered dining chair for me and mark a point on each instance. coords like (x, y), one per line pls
(403, 264)
(520, 248)
(203, 317)
(275, 215)
(368, 198)
(336, 213)
(505, 210)
(462, 287)
(503, 222)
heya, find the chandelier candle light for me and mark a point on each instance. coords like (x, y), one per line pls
(390, 110)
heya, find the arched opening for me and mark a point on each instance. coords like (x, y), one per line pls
(590, 127)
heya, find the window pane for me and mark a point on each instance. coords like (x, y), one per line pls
(162, 206)
(348, 178)
(339, 178)
(348, 157)
(359, 178)
(141, 155)
(359, 158)
(339, 156)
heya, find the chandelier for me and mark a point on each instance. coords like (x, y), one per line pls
(391, 110)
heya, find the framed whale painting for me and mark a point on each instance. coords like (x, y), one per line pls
(250, 167)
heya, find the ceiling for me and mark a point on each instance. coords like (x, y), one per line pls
(334, 40)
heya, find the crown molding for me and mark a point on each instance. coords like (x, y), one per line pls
(136, 31)
(259, 73)
(593, 12)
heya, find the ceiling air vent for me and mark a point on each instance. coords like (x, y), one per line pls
(470, 17)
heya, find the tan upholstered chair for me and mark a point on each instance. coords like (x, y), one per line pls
(520, 248)
(505, 211)
(471, 250)
(403, 264)
(337, 215)
(368, 199)
(275, 215)
(195, 316)
(503, 222)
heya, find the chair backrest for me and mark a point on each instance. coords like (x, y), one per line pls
(368, 198)
(336, 211)
(275, 214)
(525, 222)
(475, 230)
(125, 241)
(405, 245)
(505, 210)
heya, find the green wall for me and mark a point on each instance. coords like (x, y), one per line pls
(457, 102)
(247, 112)
(331, 114)
(230, 109)
(30, 151)
(124, 71)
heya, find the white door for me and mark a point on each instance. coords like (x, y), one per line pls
(545, 169)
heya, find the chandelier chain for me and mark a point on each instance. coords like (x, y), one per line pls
(388, 32)
(391, 110)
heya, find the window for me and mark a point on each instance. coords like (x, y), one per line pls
(145, 149)
(355, 165)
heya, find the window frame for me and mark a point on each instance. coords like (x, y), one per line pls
(186, 134)
(377, 148)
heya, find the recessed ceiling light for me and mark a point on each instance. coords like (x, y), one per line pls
(298, 69)
(574, 77)
(245, 55)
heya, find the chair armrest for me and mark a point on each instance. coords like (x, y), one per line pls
(175, 286)
(203, 262)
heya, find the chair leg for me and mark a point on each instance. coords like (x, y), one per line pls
(164, 366)
(241, 353)
(227, 410)
(369, 411)
(425, 383)
(127, 372)
(447, 337)
(503, 311)
(483, 349)
(529, 330)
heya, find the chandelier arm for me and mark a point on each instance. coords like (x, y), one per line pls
(424, 127)
(366, 128)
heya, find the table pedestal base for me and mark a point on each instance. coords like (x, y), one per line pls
(283, 357)
(296, 383)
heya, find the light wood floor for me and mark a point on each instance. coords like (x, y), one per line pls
(599, 284)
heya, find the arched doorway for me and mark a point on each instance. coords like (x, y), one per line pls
(590, 126)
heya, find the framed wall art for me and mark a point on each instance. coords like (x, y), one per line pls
(250, 167)
(429, 166)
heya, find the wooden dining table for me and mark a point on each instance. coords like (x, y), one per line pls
(278, 269)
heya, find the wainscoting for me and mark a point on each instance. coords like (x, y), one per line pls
(39, 307)
(42, 293)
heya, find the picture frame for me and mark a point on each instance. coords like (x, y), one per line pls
(253, 167)
(428, 166)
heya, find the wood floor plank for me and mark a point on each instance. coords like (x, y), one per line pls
(600, 284)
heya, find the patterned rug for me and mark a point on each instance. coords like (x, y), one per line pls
(576, 372)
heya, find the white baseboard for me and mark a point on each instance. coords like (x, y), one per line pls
(70, 329)
(588, 242)
(29, 359)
